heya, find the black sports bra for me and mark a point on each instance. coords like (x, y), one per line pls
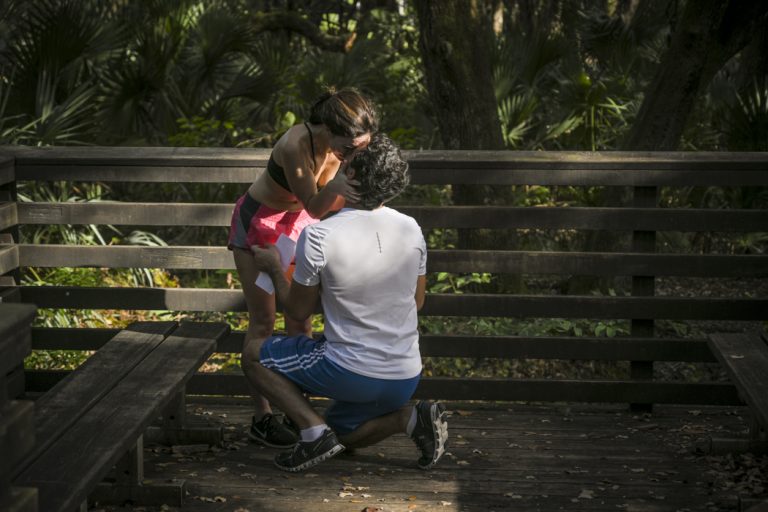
(278, 174)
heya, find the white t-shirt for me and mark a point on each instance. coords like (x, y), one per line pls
(367, 264)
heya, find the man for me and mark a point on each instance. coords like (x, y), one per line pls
(367, 266)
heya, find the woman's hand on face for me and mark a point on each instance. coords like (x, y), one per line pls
(345, 186)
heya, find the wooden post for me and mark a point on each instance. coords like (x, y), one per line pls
(17, 432)
(9, 199)
(129, 485)
(175, 429)
(643, 286)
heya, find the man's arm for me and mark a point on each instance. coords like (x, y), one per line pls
(421, 289)
(298, 300)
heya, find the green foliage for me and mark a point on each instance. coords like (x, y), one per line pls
(446, 282)
(201, 132)
(191, 73)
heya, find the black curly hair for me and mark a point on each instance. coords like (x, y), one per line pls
(381, 171)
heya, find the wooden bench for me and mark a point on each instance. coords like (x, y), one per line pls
(95, 418)
(745, 359)
(16, 416)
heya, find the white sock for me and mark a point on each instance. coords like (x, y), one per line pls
(313, 433)
(411, 422)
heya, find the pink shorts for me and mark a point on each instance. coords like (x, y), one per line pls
(256, 224)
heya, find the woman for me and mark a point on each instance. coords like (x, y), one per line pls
(301, 185)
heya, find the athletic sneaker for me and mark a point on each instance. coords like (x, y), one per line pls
(290, 425)
(269, 431)
(430, 433)
(308, 453)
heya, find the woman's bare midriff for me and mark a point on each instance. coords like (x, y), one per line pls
(268, 192)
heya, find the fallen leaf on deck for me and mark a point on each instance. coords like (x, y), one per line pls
(737, 356)
(587, 494)
(345, 494)
(446, 503)
(220, 499)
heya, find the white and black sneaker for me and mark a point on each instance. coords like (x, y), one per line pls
(430, 433)
(309, 453)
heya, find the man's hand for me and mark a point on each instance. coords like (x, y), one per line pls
(267, 258)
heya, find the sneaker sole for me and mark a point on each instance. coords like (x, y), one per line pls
(264, 442)
(313, 462)
(440, 431)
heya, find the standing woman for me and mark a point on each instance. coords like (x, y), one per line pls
(301, 185)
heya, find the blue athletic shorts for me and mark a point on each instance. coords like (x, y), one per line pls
(357, 398)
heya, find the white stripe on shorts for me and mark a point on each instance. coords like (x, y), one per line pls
(295, 362)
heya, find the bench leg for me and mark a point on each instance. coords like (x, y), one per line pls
(129, 484)
(176, 431)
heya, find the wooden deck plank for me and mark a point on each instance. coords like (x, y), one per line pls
(509, 457)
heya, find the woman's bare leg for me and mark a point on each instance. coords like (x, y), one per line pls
(261, 322)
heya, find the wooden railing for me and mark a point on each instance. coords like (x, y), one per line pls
(643, 173)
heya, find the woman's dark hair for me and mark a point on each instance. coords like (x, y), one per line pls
(345, 112)
(381, 171)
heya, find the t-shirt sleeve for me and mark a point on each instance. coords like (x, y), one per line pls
(309, 258)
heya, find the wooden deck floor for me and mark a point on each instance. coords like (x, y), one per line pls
(501, 457)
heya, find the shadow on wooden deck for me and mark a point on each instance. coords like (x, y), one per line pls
(501, 457)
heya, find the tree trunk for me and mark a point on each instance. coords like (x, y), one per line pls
(455, 42)
(708, 34)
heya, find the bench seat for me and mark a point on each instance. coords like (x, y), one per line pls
(99, 413)
(744, 356)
